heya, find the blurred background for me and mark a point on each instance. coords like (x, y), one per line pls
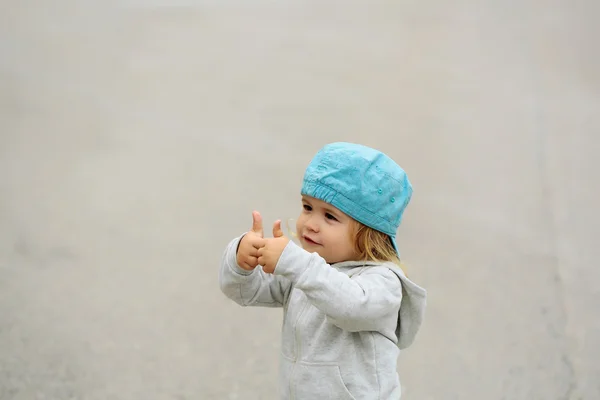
(137, 136)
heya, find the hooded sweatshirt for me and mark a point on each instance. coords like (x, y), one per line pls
(343, 324)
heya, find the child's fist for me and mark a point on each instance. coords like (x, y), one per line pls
(247, 253)
(269, 253)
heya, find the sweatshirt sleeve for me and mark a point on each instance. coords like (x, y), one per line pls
(251, 288)
(357, 303)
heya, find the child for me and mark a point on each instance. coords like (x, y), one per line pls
(348, 306)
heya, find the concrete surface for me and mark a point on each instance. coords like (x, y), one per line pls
(136, 138)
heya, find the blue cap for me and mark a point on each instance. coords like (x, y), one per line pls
(362, 182)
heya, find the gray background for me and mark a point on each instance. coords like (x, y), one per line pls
(136, 139)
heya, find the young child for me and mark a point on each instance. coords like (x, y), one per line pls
(348, 306)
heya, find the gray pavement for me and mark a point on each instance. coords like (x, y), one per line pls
(136, 139)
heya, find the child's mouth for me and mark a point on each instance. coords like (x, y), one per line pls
(310, 241)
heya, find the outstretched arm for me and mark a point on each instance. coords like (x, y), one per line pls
(353, 304)
(243, 280)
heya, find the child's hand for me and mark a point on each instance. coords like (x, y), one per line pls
(247, 254)
(269, 254)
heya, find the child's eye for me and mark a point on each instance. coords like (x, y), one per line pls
(331, 217)
(307, 207)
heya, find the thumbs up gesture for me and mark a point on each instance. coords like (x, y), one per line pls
(269, 253)
(247, 254)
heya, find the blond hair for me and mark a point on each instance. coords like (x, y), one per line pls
(372, 245)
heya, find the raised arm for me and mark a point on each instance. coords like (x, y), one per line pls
(354, 304)
(243, 280)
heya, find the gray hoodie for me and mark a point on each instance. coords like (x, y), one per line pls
(343, 324)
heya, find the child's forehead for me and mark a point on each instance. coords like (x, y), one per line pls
(320, 203)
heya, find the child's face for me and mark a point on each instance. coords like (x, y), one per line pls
(325, 230)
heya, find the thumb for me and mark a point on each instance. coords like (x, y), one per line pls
(277, 232)
(257, 226)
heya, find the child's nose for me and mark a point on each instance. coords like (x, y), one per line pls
(313, 224)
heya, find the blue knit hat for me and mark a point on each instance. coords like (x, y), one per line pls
(362, 182)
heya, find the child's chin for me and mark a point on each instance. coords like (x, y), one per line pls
(313, 249)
